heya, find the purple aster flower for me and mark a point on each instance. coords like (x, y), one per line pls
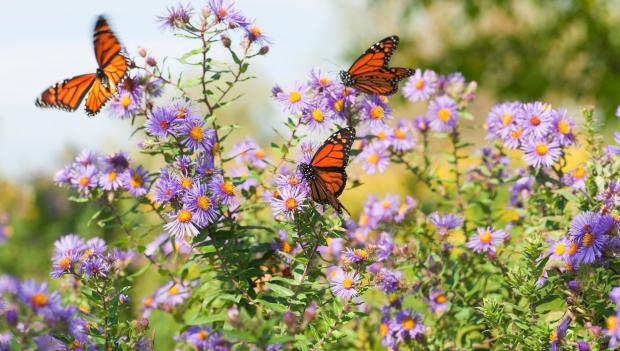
(613, 329)
(386, 208)
(445, 222)
(161, 123)
(290, 200)
(442, 112)
(583, 345)
(63, 176)
(87, 158)
(333, 249)
(542, 279)
(389, 281)
(541, 153)
(223, 190)
(38, 297)
(512, 136)
(218, 343)
(201, 204)
(401, 138)
(502, 117)
(255, 35)
(404, 208)
(95, 246)
(385, 246)
(559, 334)
(375, 158)
(388, 340)
(421, 85)
(249, 152)
(344, 284)
(95, 266)
(197, 336)
(591, 232)
(375, 112)
(614, 295)
(355, 255)
(294, 99)
(170, 295)
(85, 179)
(8, 285)
(125, 104)
(111, 179)
(118, 160)
(559, 249)
(69, 244)
(64, 263)
(610, 196)
(307, 152)
(184, 111)
(536, 119)
(182, 223)
(48, 343)
(289, 178)
(163, 242)
(576, 178)
(407, 325)
(225, 12)
(136, 182)
(318, 80)
(177, 17)
(274, 347)
(564, 127)
(340, 101)
(166, 188)
(244, 178)
(486, 239)
(438, 301)
(422, 123)
(196, 136)
(316, 116)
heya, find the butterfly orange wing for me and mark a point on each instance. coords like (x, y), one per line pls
(376, 57)
(68, 94)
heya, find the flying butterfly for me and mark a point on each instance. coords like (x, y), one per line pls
(99, 86)
(326, 172)
(370, 72)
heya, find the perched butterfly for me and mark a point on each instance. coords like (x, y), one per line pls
(370, 72)
(99, 86)
(326, 173)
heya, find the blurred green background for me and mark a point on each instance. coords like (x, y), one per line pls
(566, 52)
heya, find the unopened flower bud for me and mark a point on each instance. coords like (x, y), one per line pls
(11, 317)
(310, 313)
(289, 319)
(142, 52)
(233, 315)
(226, 41)
(144, 323)
(263, 50)
(151, 61)
(205, 12)
(574, 285)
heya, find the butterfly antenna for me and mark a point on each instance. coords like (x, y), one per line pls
(335, 67)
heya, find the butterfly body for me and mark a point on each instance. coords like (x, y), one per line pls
(99, 87)
(326, 173)
(371, 74)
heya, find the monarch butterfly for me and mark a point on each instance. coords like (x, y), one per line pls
(370, 72)
(100, 86)
(326, 173)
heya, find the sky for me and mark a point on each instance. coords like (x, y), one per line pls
(44, 42)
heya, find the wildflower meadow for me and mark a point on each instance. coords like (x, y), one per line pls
(218, 241)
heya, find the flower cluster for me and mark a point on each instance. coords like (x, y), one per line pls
(93, 173)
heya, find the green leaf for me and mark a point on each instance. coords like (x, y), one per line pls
(279, 290)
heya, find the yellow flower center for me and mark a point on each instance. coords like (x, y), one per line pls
(377, 113)
(359, 253)
(612, 323)
(373, 158)
(383, 329)
(324, 81)
(408, 323)
(441, 298)
(363, 220)
(293, 181)
(294, 96)
(136, 180)
(125, 101)
(84, 309)
(541, 149)
(486, 237)
(506, 119)
(419, 84)
(111, 175)
(290, 204)
(186, 182)
(285, 246)
(534, 120)
(588, 239)
(400, 134)
(256, 30)
(339, 105)
(317, 115)
(148, 301)
(64, 263)
(559, 249)
(222, 13)
(181, 113)
(572, 249)
(203, 334)
(564, 126)
(347, 283)
(203, 202)
(580, 172)
(197, 133)
(553, 336)
(184, 216)
(260, 153)
(173, 290)
(516, 134)
(84, 181)
(39, 299)
(444, 114)
(228, 188)
(381, 135)
(386, 204)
